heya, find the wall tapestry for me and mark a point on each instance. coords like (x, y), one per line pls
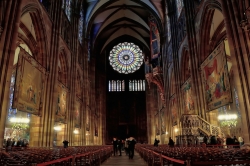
(29, 86)
(61, 104)
(173, 107)
(154, 38)
(216, 79)
(77, 115)
(188, 97)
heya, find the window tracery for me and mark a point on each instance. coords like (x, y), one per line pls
(126, 57)
(116, 85)
(136, 85)
(81, 21)
(66, 5)
(179, 5)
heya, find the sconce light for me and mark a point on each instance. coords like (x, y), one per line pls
(19, 120)
(176, 130)
(228, 117)
(229, 120)
(76, 131)
(166, 133)
(57, 128)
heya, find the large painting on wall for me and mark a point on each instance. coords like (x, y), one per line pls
(29, 86)
(77, 115)
(154, 38)
(216, 79)
(61, 109)
(188, 97)
(173, 108)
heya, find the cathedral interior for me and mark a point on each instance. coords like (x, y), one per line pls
(90, 70)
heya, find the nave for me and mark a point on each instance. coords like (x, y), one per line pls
(124, 160)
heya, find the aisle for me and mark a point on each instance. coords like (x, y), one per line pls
(124, 160)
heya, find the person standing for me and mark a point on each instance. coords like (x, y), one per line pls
(205, 140)
(114, 145)
(171, 142)
(126, 146)
(156, 142)
(241, 141)
(131, 147)
(120, 146)
(65, 143)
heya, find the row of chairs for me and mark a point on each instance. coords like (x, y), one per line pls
(84, 155)
(191, 155)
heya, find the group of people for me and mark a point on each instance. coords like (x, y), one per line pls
(128, 145)
(170, 142)
(213, 140)
(9, 143)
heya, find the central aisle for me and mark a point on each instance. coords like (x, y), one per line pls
(124, 160)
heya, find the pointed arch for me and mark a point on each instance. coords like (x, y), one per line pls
(210, 11)
(63, 68)
(78, 85)
(40, 48)
(172, 83)
(185, 65)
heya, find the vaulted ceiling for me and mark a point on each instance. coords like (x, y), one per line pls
(110, 19)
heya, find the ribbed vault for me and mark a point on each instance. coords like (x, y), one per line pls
(109, 20)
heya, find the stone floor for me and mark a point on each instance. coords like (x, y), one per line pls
(124, 161)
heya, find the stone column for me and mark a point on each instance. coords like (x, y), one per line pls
(192, 42)
(239, 45)
(48, 114)
(10, 19)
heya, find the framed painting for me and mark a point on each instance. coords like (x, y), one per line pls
(61, 109)
(188, 101)
(29, 85)
(215, 78)
(173, 108)
(154, 38)
(77, 114)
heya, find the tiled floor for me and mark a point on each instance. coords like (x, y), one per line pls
(124, 161)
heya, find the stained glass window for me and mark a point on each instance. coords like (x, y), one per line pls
(123, 85)
(237, 102)
(12, 112)
(179, 5)
(116, 85)
(136, 85)
(126, 57)
(68, 8)
(168, 26)
(81, 20)
(109, 85)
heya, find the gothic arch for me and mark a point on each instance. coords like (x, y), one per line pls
(211, 8)
(172, 83)
(79, 84)
(185, 65)
(40, 47)
(63, 68)
(27, 39)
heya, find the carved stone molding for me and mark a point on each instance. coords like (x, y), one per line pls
(149, 78)
(244, 24)
(157, 78)
(194, 125)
